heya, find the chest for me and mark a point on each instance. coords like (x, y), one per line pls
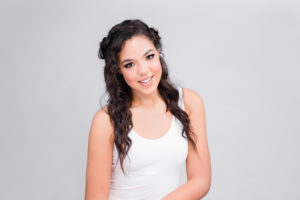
(152, 125)
(168, 152)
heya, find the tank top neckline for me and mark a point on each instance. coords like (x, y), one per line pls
(157, 139)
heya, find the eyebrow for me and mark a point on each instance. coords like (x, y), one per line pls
(131, 59)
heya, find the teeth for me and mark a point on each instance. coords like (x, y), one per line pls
(147, 80)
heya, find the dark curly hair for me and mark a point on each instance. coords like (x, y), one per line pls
(120, 94)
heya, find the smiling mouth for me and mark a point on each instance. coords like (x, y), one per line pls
(146, 80)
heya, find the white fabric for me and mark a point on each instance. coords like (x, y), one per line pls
(153, 167)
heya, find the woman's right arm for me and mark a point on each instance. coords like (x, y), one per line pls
(99, 161)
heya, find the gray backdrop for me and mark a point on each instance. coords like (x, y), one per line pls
(242, 57)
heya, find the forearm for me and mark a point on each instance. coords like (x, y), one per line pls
(194, 189)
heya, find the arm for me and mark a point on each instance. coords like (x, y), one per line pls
(198, 165)
(100, 150)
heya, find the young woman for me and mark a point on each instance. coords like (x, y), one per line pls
(149, 129)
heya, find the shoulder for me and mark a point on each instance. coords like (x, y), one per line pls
(101, 114)
(102, 126)
(192, 100)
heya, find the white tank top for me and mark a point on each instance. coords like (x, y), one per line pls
(154, 167)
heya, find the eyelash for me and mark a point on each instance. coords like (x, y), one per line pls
(149, 57)
(126, 66)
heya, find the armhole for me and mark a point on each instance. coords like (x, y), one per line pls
(181, 104)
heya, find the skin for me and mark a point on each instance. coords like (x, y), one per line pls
(141, 60)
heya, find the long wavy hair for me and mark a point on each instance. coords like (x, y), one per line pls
(120, 94)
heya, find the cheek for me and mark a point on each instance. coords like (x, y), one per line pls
(129, 77)
(156, 67)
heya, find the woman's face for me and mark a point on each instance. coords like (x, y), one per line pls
(140, 65)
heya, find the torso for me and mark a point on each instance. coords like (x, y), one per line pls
(153, 123)
(158, 150)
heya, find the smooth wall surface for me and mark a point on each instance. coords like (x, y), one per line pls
(242, 57)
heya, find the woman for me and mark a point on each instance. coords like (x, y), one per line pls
(149, 129)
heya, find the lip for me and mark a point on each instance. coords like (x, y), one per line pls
(146, 78)
(147, 84)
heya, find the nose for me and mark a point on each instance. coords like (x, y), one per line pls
(143, 68)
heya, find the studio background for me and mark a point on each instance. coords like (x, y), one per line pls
(242, 57)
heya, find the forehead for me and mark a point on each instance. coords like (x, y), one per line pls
(136, 47)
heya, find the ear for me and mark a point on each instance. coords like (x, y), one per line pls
(161, 54)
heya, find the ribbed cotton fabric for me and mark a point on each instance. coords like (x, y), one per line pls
(153, 166)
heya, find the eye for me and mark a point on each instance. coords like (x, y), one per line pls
(128, 65)
(150, 56)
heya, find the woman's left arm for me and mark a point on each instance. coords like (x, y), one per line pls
(198, 166)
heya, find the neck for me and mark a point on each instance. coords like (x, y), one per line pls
(150, 100)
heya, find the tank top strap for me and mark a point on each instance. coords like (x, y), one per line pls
(180, 101)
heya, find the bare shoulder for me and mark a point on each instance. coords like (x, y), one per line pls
(101, 124)
(192, 100)
(102, 114)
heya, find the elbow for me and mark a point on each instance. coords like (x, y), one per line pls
(204, 186)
